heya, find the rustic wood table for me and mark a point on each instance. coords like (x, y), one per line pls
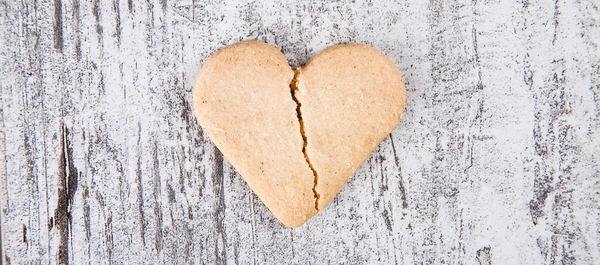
(496, 160)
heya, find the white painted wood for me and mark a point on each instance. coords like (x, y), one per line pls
(495, 161)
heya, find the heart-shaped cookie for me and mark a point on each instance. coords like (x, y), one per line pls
(298, 137)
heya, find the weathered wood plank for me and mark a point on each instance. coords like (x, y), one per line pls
(495, 160)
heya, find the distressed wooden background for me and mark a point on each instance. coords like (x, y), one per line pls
(496, 160)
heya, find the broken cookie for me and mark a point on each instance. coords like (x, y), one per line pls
(298, 137)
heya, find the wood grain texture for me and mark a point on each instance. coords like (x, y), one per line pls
(495, 161)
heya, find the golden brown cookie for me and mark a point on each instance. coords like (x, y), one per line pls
(352, 97)
(297, 138)
(243, 102)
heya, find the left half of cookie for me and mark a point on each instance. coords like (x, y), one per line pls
(242, 100)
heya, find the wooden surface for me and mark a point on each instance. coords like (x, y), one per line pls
(496, 160)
